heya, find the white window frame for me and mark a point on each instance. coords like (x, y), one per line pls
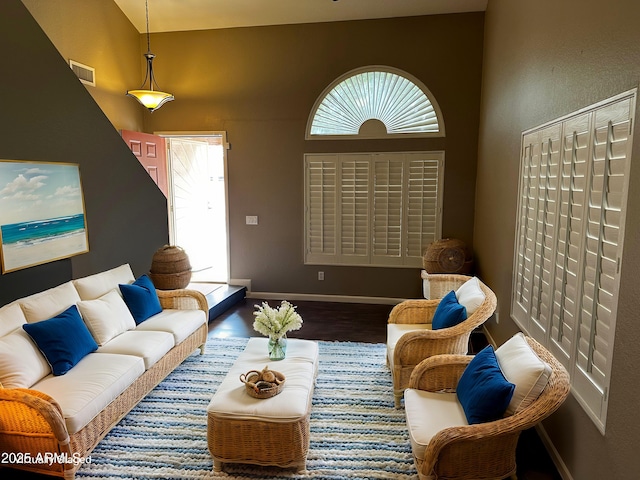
(574, 177)
(354, 216)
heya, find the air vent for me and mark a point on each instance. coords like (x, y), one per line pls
(86, 74)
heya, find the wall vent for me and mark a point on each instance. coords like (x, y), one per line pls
(86, 74)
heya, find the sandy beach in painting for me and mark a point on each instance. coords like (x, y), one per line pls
(20, 255)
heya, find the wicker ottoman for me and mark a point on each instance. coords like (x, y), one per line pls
(271, 431)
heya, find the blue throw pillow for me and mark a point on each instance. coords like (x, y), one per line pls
(141, 298)
(449, 312)
(64, 340)
(483, 391)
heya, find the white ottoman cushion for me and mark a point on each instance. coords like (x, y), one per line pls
(231, 399)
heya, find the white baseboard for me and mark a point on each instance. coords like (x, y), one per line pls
(313, 297)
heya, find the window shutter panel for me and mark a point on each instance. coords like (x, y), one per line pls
(424, 191)
(526, 228)
(321, 208)
(603, 248)
(387, 209)
(569, 241)
(354, 208)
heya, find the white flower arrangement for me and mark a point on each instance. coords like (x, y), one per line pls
(276, 322)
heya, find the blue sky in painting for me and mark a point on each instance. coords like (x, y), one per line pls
(37, 191)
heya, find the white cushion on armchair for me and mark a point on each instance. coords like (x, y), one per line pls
(428, 413)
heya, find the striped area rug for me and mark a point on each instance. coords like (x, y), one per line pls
(355, 430)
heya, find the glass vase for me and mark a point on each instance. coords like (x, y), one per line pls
(277, 347)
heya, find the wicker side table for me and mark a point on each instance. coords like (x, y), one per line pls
(272, 431)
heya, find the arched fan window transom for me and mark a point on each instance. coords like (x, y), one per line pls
(376, 102)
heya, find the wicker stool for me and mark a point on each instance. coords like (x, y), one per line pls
(272, 431)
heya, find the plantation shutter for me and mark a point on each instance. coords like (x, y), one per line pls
(372, 209)
(321, 192)
(424, 192)
(354, 209)
(387, 208)
(603, 250)
(569, 241)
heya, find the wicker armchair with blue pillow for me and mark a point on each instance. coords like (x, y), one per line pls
(465, 413)
(418, 329)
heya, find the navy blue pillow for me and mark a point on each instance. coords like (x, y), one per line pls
(483, 391)
(141, 298)
(448, 313)
(64, 340)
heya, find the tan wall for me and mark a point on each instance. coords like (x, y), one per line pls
(544, 59)
(96, 33)
(260, 84)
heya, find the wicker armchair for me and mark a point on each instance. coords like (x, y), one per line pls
(410, 338)
(482, 450)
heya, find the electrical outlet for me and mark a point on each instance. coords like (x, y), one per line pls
(320, 275)
(251, 219)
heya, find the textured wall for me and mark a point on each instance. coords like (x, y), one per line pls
(260, 84)
(48, 115)
(544, 59)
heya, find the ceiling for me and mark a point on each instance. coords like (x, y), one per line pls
(180, 15)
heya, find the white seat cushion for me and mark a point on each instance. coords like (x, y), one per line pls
(21, 362)
(427, 413)
(294, 402)
(48, 304)
(106, 316)
(94, 286)
(522, 367)
(91, 385)
(180, 323)
(151, 346)
(396, 330)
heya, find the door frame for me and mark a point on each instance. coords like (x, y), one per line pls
(225, 147)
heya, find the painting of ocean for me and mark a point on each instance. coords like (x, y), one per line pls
(38, 231)
(42, 215)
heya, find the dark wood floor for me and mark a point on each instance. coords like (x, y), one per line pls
(351, 322)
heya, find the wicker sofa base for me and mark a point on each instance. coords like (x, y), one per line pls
(43, 442)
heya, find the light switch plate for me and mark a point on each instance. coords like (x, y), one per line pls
(251, 219)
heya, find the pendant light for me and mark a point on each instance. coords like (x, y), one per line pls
(151, 97)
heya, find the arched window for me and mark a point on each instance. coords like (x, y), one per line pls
(375, 102)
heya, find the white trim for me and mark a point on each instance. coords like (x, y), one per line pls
(314, 297)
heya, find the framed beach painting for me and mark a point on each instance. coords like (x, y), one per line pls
(42, 215)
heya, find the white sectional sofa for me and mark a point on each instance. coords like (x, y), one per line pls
(74, 359)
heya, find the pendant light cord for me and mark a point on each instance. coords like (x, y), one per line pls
(146, 7)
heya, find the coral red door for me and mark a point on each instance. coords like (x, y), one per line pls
(150, 150)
